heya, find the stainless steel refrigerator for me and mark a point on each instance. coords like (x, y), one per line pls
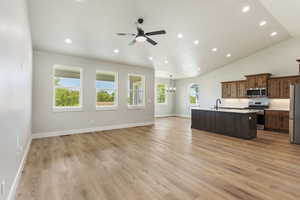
(295, 114)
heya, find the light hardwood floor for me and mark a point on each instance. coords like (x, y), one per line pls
(166, 161)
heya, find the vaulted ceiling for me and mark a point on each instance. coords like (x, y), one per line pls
(91, 26)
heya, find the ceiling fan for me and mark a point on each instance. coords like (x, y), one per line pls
(141, 36)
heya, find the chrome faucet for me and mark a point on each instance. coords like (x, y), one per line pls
(218, 101)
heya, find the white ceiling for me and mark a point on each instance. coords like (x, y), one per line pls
(92, 24)
(287, 12)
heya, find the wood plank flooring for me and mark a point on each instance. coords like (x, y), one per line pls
(167, 161)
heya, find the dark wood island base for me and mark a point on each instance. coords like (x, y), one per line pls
(240, 124)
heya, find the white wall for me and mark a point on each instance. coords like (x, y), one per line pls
(15, 88)
(45, 120)
(280, 60)
(163, 110)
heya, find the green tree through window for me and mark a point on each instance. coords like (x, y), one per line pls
(106, 88)
(67, 86)
(161, 93)
(194, 94)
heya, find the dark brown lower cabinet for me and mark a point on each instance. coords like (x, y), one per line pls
(226, 123)
(277, 120)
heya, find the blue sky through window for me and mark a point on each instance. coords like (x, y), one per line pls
(73, 82)
(105, 85)
(69, 82)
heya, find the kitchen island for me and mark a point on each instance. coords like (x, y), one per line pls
(230, 122)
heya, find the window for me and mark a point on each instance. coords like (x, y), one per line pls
(161, 96)
(67, 88)
(136, 90)
(106, 90)
(194, 94)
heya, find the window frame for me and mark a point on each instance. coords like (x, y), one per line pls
(115, 106)
(141, 106)
(166, 94)
(189, 95)
(67, 108)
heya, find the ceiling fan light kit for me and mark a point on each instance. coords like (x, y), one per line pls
(141, 36)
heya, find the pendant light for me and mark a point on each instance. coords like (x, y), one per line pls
(171, 88)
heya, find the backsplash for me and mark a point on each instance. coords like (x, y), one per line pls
(280, 103)
(235, 103)
(242, 103)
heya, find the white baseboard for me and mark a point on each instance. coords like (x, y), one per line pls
(88, 130)
(13, 189)
(169, 115)
(183, 115)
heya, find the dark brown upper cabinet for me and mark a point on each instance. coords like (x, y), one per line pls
(279, 87)
(258, 80)
(234, 89)
(242, 89)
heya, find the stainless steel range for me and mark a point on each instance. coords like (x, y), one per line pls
(259, 106)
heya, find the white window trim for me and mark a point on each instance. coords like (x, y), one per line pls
(141, 106)
(166, 94)
(114, 107)
(69, 108)
(189, 94)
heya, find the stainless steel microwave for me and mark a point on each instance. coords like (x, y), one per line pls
(256, 92)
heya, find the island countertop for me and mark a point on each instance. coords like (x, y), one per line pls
(239, 111)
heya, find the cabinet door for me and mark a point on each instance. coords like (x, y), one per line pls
(285, 88)
(241, 89)
(223, 90)
(274, 89)
(233, 89)
(272, 120)
(226, 90)
(268, 119)
(284, 121)
(252, 82)
(261, 81)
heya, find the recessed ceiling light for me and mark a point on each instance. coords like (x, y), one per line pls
(150, 58)
(196, 42)
(116, 51)
(180, 35)
(246, 9)
(228, 55)
(68, 41)
(214, 49)
(166, 62)
(274, 34)
(262, 23)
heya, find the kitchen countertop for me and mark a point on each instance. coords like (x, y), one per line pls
(278, 109)
(242, 111)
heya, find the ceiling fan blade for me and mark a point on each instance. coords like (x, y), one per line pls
(161, 32)
(132, 42)
(151, 41)
(126, 34)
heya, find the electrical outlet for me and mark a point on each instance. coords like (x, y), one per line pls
(2, 188)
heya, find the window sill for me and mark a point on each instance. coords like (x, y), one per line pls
(68, 109)
(162, 104)
(142, 107)
(103, 108)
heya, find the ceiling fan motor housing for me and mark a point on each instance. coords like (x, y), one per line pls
(140, 20)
